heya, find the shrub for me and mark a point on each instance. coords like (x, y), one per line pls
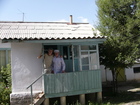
(5, 85)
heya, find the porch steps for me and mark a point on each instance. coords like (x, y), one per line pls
(39, 99)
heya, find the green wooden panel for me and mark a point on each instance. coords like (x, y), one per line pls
(76, 64)
(74, 83)
(69, 67)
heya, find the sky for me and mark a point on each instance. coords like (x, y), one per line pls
(49, 10)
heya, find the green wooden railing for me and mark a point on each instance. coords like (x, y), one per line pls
(74, 83)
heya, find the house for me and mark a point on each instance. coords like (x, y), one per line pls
(77, 42)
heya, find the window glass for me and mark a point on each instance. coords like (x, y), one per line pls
(76, 51)
(89, 60)
(84, 47)
(93, 60)
(84, 58)
(88, 47)
(92, 47)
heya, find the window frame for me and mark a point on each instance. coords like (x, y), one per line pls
(88, 51)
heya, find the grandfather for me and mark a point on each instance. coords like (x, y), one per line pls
(58, 64)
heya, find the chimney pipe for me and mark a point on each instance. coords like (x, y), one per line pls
(71, 19)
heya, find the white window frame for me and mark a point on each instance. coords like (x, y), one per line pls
(88, 51)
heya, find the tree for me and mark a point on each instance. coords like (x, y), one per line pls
(119, 21)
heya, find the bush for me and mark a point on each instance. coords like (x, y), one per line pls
(5, 85)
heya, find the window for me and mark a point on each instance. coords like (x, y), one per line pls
(5, 57)
(88, 57)
(136, 69)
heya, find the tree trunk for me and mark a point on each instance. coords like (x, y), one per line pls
(115, 82)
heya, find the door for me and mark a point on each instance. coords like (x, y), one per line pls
(121, 75)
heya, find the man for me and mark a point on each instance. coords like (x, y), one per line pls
(48, 60)
(58, 64)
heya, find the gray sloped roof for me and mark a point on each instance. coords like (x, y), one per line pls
(47, 30)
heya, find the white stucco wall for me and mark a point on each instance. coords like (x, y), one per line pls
(25, 66)
(5, 45)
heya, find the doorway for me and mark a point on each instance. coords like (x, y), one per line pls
(65, 52)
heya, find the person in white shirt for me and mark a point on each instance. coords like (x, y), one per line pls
(58, 64)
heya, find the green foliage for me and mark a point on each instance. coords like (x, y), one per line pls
(118, 53)
(119, 21)
(5, 85)
(119, 18)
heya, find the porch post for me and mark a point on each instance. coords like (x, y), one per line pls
(82, 99)
(63, 100)
(46, 102)
(98, 66)
(99, 97)
(73, 58)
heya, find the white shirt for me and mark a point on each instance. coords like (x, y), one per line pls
(58, 64)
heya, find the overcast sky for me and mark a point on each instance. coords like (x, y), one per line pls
(48, 10)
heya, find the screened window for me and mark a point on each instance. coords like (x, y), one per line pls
(5, 57)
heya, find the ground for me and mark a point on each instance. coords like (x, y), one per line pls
(129, 94)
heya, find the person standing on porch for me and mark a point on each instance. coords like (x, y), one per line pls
(58, 64)
(48, 60)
